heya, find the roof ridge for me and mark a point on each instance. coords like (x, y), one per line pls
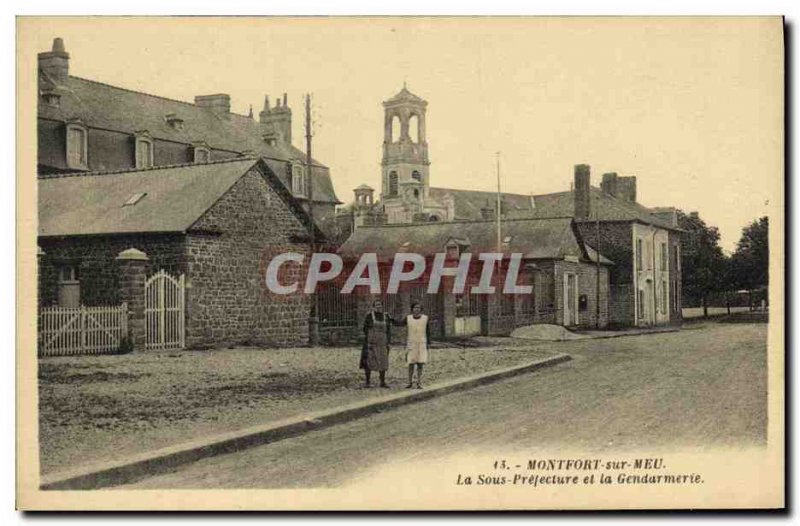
(148, 169)
(481, 191)
(465, 221)
(129, 90)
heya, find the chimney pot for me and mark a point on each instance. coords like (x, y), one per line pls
(609, 183)
(626, 188)
(219, 103)
(55, 63)
(581, 192)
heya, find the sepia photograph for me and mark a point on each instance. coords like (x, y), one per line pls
(400, 263)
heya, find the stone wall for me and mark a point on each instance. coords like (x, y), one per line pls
(587, 285)
(94, 257)
(227, 299)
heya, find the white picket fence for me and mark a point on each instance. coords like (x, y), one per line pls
(82, 330)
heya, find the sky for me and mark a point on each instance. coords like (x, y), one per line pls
(691, 107)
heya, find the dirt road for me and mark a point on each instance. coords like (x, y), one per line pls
(699, 387)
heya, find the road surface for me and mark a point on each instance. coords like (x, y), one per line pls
(698, 387)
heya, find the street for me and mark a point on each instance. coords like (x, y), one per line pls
(703, 386)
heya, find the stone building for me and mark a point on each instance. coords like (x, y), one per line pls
(644, 243)
(89, 126)
(203, 221)
(562, 270)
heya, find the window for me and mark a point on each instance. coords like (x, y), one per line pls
(135, 198)
(298, 180)
(393, 183)
(413, 128)
(69, 287)
(664, 295)
(663, 257)
(639, 255)
(677, 257)
(396, 129)
(76, 145)
(202, 154)
(416, 175)
(144, 150)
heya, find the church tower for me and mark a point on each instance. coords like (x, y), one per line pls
(405, 152)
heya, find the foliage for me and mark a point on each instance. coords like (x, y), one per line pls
(704, 266)
(750, 262)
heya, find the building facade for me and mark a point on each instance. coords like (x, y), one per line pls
(88, 126)
(568, 280)
(202, 221)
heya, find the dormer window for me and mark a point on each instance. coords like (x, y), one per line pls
(174, 122)
(271, 138)
(298, 180)
(52, 97)
(202, 153)
(76, 145)
(144, 150)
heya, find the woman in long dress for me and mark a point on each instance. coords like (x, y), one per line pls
(375, 351)
(419, 335)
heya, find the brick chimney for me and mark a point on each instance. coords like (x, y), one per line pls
(219, 103)
(277, 119)
(626, 188)
(668, 214)
(583, 203)
(55, 63)
(609, 183)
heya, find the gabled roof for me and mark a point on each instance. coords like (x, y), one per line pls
(167, 199)
(608, 208)
(534, 238)
(468, 204)
(100, 105)
(405, 96)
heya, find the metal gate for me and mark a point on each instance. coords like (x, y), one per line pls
(164, 311)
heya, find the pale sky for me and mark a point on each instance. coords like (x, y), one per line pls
(691, 107)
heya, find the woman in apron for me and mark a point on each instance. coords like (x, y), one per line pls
(419, 335)
(375, 351)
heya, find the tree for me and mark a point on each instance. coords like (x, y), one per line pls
(750, 262)
(702, 262)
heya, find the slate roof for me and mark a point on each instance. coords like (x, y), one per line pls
(468, 205)
(175, 198)
(552, 238)
(100, 105)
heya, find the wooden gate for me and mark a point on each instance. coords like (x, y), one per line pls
(164, 311)
(82, 330)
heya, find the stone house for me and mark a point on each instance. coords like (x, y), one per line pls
(216, 223)
(88, 126)
(563, 271)
(644, 244)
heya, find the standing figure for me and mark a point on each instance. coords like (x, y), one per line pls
(375, 351)
(419, 334)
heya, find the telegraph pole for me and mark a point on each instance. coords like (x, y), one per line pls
(499, 239)
(313, 321)
(597, 255)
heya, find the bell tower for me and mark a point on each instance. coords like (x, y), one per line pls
(405, 150)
